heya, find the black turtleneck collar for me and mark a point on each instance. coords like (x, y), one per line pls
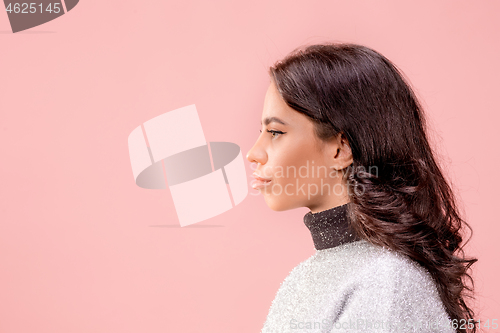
(330, 228)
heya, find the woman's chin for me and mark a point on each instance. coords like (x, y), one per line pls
(277, 204)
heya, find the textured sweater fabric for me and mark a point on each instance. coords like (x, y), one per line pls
(351, 285)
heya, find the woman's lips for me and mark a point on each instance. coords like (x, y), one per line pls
(258, 183)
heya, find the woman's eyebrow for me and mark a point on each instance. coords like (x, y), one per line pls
(269, 120)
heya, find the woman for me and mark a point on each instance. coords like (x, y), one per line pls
(344, 135)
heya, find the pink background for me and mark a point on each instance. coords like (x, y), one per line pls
(83, 249)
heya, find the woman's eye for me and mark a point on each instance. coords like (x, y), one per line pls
(274, 133)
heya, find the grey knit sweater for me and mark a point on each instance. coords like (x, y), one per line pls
(350, 285)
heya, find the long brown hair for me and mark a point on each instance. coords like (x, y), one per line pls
(406, 204)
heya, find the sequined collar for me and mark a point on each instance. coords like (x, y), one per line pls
(330, 228)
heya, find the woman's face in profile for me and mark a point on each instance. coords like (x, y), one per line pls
(296, 163)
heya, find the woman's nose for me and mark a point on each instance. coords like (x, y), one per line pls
(256, 154)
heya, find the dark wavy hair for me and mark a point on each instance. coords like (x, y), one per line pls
(401, 200)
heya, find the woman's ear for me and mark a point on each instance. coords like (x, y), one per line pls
(343, 155)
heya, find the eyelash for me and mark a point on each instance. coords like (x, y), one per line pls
(274, 132)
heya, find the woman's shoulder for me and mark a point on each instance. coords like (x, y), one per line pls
(396, 268)
(399, 286)
(363, 281)
(366, 263)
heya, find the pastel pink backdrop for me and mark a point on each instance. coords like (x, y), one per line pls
(83, 249)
